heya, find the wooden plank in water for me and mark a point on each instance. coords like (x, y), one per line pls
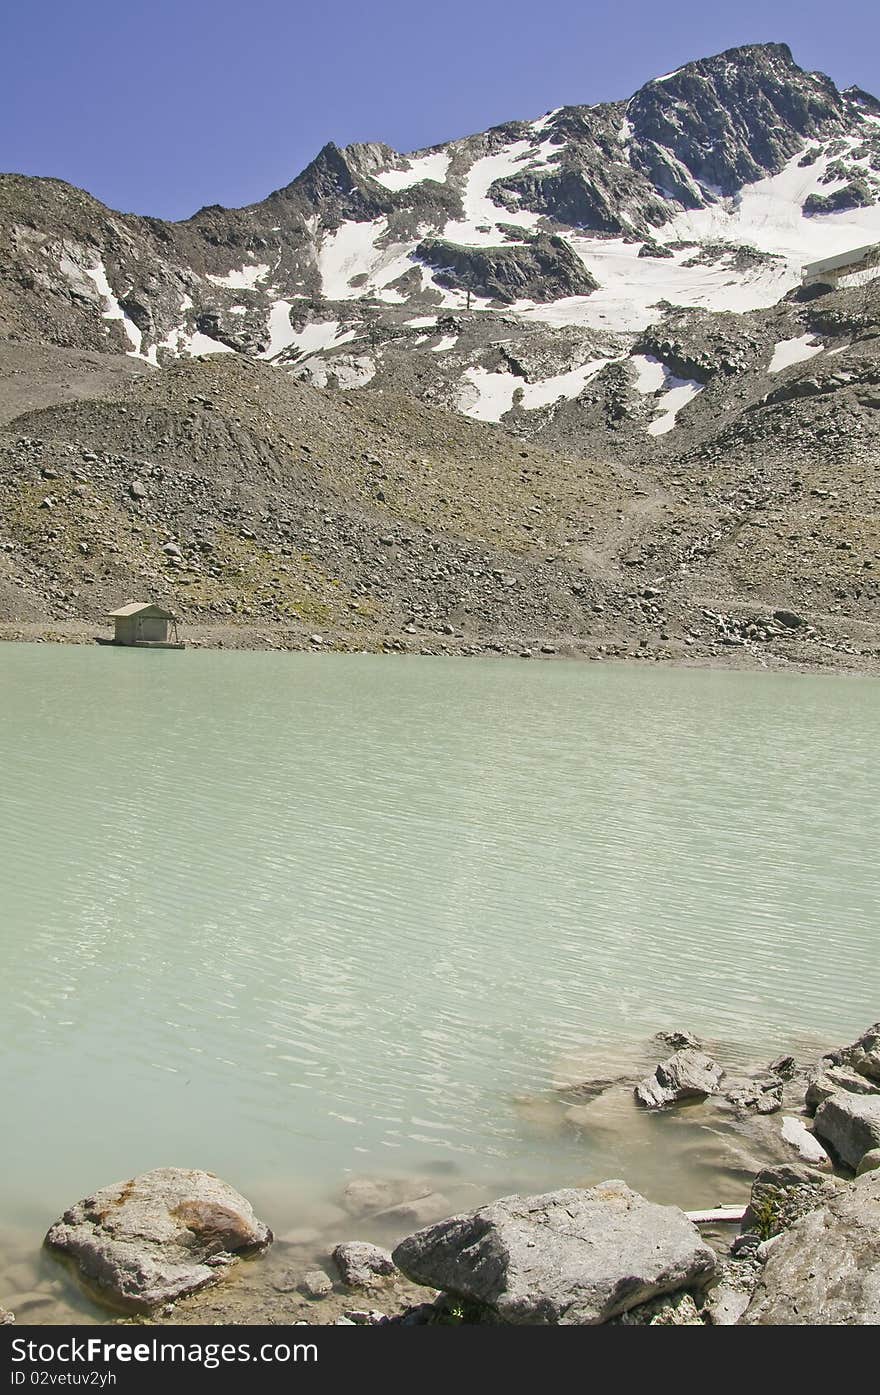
(728, 1214)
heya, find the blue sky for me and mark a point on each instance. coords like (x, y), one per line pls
(162, 107)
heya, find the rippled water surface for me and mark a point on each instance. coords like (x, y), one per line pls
(295, 917)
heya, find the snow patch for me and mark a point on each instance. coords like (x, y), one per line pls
(448, 342)
(679, 392)
(345, 372)
(312, 338)
(114, 311)
(432, 166)
(769, 215)
(353, 250)
(650, 373)
(494, 392)
(789, 351)
(199, 343)
(479, 227)
(245, 279)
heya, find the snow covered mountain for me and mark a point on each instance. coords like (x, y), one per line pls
(593, 270)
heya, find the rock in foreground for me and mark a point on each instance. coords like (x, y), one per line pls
(687, 1074)
(825, 1270)
(568, 1257)
(157, 1237)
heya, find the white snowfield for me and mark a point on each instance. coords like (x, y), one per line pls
(354, 251)
(199, 343)
(361, 260)
(319, 334)
(479, 227)
(766, 216)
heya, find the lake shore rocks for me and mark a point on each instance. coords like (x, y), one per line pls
(832, 1079)
(584, 1255)
(825, 1270)
(850, 1124)
(686, 1074)
(145, 1242)
(575, 1256)
(864, 1054)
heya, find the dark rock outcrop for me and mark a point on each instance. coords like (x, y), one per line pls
(542, 269)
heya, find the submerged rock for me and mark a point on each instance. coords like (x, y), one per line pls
(153, 1239)
(316, 1284)
(687, 1074)
(851, 1124)
(825, 1270)
(365, 1196)
(418, 1212)
(568, 1257)
(679, 1041)
(361, 1265)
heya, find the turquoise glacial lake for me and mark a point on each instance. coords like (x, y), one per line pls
(302, 918)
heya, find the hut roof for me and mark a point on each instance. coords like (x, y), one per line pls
(840, 259)
(140, 608)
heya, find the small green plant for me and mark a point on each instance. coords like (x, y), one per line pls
(766, 1217)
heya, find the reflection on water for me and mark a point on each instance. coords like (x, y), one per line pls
(296, 918)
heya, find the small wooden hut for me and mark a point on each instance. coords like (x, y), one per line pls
(145, 626)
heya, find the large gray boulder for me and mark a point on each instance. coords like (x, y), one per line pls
(153, 1239)
(576, 1256)
(850, 1124)
(832, 1079)
(686, 1074)
(825, 1270)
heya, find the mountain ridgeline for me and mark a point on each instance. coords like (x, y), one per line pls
(556, 385)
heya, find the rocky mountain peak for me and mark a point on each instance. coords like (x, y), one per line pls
(591, 244)
(732, 118)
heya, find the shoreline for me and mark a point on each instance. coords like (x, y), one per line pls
(790, 1155)
(795, 656)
